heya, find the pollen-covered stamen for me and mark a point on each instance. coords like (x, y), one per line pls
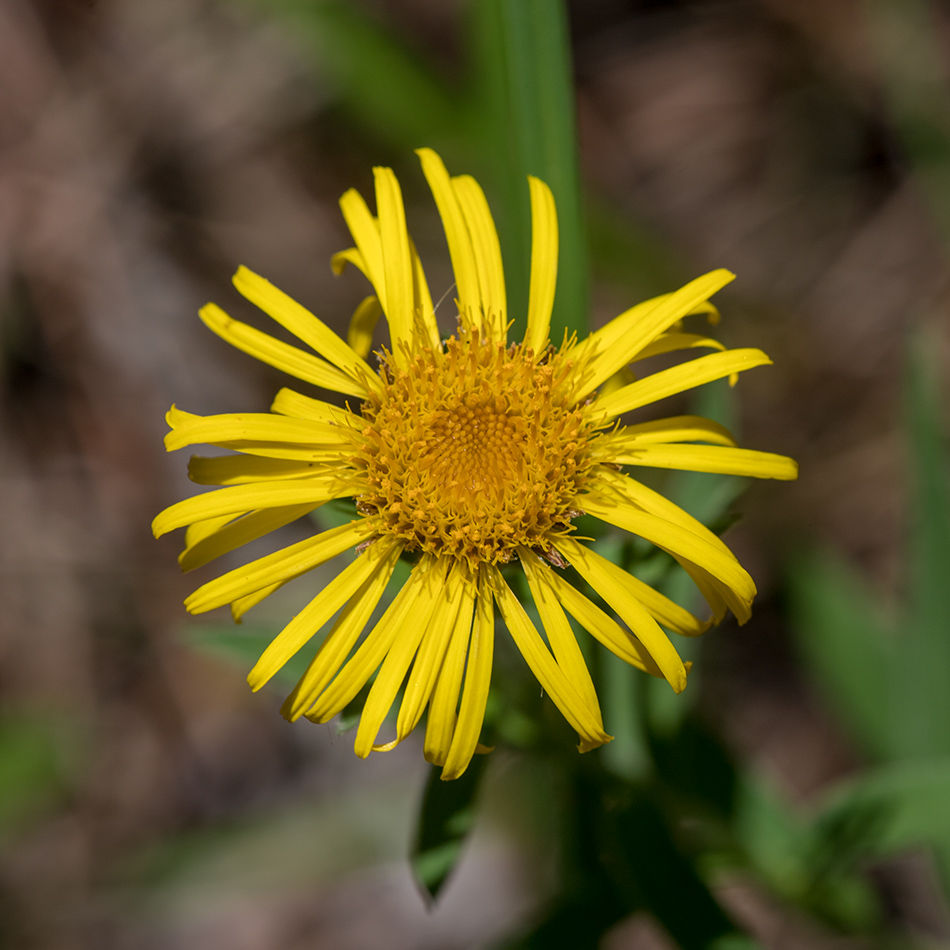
(474, 450)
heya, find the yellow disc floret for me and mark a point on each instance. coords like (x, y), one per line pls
(474, 449)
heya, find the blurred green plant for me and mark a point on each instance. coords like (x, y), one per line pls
(887, 671)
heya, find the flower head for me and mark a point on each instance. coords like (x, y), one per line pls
(464, 454)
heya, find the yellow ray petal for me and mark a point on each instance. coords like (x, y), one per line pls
(558, 629)
(624, 488)
(487, 252)
(412, 604)
(440, 723)
(672, 342)
(304, 325)
(397, 261)
(603, 627)
(672, 429)
(337, 646)
(278, 567)
(432, 650)
(461, 251)
(380, 557)
(242, 605)
(400, 654)
(619, 341)
(290, 403)
(612, 583)
(280, 355)
(735, 583)
(365, 230)
(255, 427)
(424, 309)
(677, 379)
(544, 251)
(477, 681)
(249, 527)
(359, 336)
(202, 529)
(711, 458)
(240, 498)
(664, 610)
(352, 256)
(244, 469)
(552, 679)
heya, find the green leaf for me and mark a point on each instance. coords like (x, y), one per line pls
(645, 857)
(445, 820)
(847, 645)
(383, 84)
(524, 79)
(898, 806)
(924, 701)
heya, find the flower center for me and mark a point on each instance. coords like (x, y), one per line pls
(473, 450)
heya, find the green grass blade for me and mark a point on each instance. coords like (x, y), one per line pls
(524, 80)
(847, 647)
(383, 85)
(925, 647)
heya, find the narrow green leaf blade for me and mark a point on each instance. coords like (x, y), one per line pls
(523, 69)
(847, 646)
(383, 84)
(924, 703)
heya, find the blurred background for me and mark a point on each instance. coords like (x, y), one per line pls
(147, 799)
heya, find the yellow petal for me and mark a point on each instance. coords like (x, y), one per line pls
(397, 261)
(240, 498)
(337, 646)
(664, 610)
(279, 567)
(290, 403)
(612, 583)
(245, 469)
(255, 427)
(280, 355)
(544, 251)
(487, 252)
(602, 627)
(249, 527)
(736, 584)
(477, 681)
(457, 236)
(623, 338)
(393, 670)
(242, 605)
(380, 557)
(672, 342)
(614, 445)
(432, 650)
(352, 256)
(413, 600)
(365, 230)
(203, 529)
(710, 458)
(668, 382)
(425, 312)
(362, 324)
(302, 323)
(558, 629)
(552, 679)
(440, 723)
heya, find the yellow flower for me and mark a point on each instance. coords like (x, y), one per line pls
(466, 454)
